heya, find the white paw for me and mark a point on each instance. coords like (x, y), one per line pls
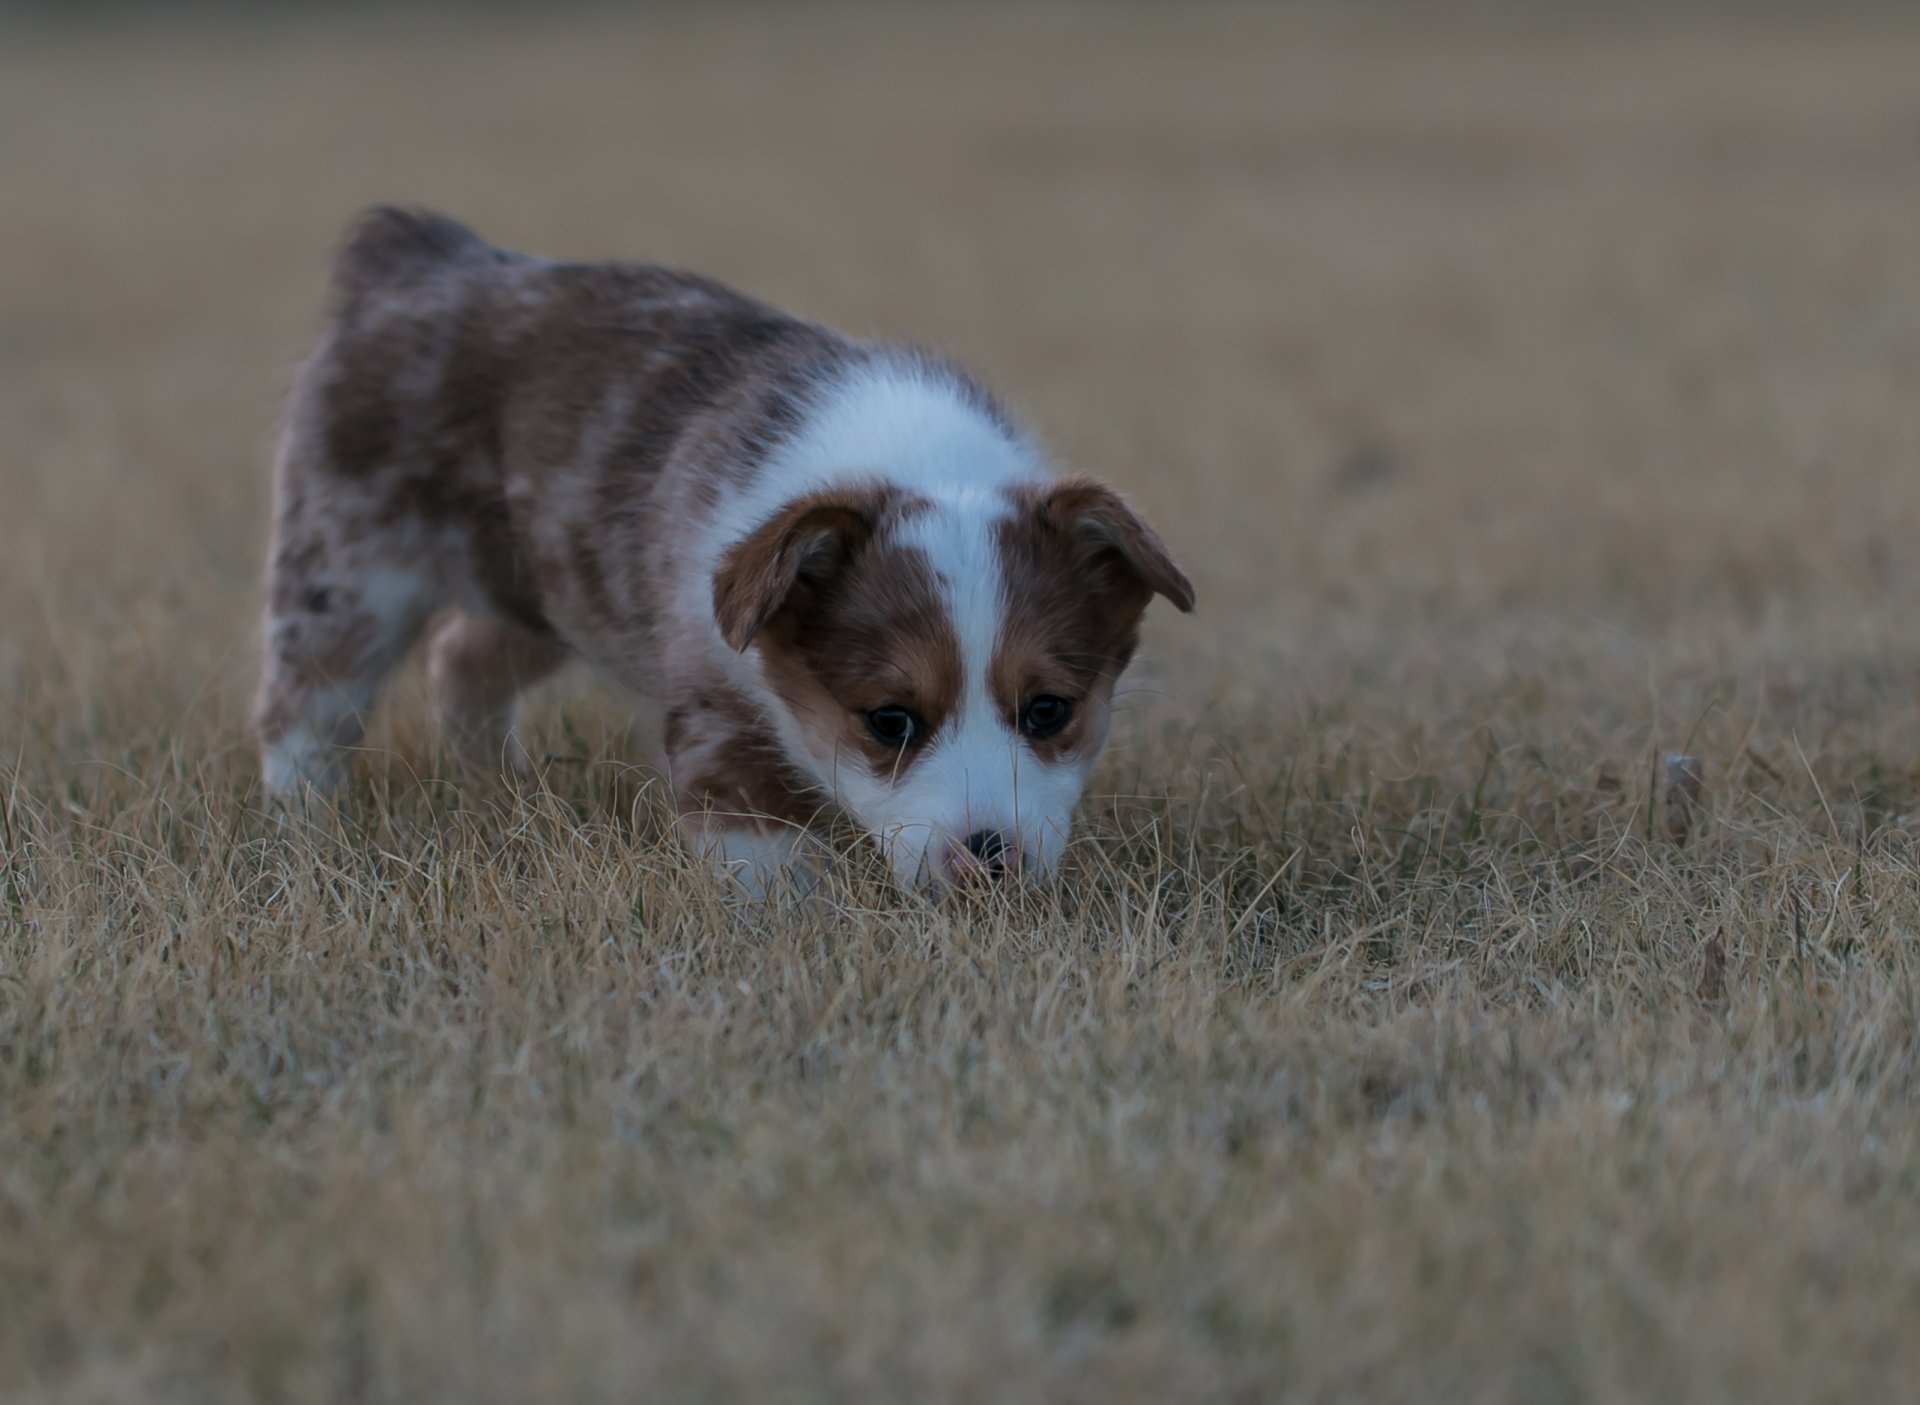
(299, 762)
(760, 864)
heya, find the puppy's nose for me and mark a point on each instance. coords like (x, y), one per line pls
(989, 846)
(985, 856)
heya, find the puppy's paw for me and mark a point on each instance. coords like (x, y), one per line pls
(762, 865)
(300, 766)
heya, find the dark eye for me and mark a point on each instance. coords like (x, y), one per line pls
(1045, 715)
(894, 725)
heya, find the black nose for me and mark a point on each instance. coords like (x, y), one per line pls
(990, 847)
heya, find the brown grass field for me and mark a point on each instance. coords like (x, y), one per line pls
(1529, 398)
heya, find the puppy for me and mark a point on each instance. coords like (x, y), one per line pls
(839, 568)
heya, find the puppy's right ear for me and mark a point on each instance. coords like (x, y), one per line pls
(803, 547)
(1110, 533)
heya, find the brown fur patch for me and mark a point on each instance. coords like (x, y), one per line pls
(864, 626)
(1078, 567)
(724, 760)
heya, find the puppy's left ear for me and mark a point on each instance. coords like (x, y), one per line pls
(1113, 535)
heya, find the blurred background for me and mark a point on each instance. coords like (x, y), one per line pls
(1432, 334)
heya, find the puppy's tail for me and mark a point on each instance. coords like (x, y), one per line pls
(388, 247)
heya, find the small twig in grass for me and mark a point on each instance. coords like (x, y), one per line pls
(1686, 787)
(1818, 791)
(1712, 989)
(1761, 765)
(1247, 914)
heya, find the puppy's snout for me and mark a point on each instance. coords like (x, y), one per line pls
(985, 856)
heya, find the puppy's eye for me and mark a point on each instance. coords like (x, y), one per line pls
(1045, 716)
(893, 725)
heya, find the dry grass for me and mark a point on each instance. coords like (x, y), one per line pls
(1528, 401)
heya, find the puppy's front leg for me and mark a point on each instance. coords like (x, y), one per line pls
(741, 803)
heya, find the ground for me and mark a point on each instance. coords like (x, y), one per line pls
(1529, 398)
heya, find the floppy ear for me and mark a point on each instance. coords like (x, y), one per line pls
(1114, 535)
(807, 543)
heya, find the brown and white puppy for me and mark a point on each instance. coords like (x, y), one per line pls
(841, 570)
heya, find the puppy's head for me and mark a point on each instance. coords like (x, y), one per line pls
(947, 664)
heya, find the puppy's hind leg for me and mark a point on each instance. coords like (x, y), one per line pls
(477, 667)
(330, 645)
(346, 599)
